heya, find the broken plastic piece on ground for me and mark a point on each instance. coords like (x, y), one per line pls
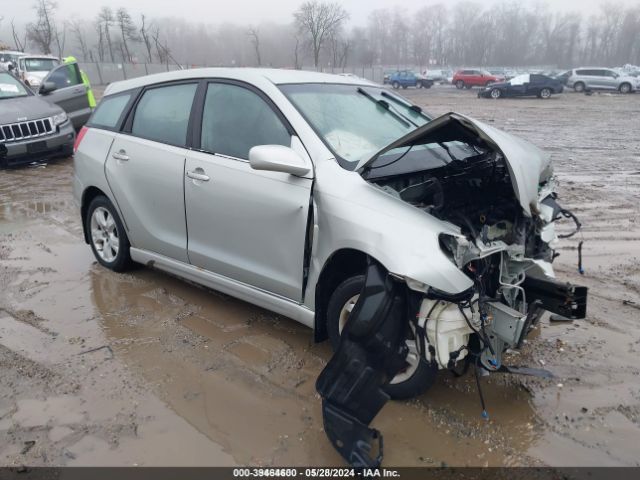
(559, 318)
(371, 352)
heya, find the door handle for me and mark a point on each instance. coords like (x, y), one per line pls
(198, 176)
(121, 155)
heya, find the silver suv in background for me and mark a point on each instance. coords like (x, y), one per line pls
(592, 78)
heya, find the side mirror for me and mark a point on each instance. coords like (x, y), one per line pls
(277, 158)
(47, 87)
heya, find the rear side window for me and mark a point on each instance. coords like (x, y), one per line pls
(163, 114)
(109, 111)
(235, 119)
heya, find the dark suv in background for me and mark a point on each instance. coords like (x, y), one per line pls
(31, 128)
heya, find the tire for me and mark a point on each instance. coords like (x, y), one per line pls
(545, 93)
(460, 84)
(411, 383)
(418, 84)
(578, 87)
(395, 85)
(625, 88)
(495, 93)
(107, 235)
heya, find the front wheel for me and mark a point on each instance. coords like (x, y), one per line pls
(417, 376)
(496, 93)
(578, 87)
(395, 85)
(459, 84)
(625, 88)
(107, 236)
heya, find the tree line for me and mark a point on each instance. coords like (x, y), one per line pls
(319, 34)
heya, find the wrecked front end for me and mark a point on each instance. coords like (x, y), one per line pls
(499, 194)
(493, 196)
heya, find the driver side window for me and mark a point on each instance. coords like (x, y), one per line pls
(65, 76)
(235, 119)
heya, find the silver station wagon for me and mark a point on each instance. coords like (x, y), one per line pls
(298, 191)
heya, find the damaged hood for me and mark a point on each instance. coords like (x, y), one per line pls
(528, 165)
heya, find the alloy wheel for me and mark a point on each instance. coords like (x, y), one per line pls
(104, 234)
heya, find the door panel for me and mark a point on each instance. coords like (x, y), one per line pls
(246, 224)
(146, 178)
(71, 93)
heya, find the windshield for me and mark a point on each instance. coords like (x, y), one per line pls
(8, 57)
(354, 121)
(40, 64)
(10, 87)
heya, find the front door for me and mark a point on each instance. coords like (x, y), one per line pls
(70, 93)
(145, 170)
(245, 224)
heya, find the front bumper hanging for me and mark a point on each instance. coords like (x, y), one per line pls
(372, 350)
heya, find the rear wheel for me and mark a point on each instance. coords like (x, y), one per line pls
(625, 88)
(415, 378)
(460, 84)
(107, 236)
(395, 85)
(578, 87)
(545, 93)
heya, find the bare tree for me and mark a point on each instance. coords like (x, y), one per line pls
(128, 31)
(19, 41)
(105, 18)
(42, 31)
(318, 20)
(254, 38)
(77, 30)
(296, 53)
(146, 39)
(60, 38)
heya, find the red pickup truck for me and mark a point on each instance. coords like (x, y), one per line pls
(474, 78)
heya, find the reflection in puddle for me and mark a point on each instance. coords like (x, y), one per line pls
(245, 377)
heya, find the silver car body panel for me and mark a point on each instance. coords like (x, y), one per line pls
(260, 240)
(349, 212)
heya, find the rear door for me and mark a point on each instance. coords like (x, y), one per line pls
(145, 169)
(70, 93)
(245, 224)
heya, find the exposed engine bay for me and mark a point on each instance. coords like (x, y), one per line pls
(505, 246)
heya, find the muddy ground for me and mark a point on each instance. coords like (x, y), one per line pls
(99, 368)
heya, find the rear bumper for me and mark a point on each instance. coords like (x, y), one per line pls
(57, 144)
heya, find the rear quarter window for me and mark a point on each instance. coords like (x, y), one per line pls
(109, 111)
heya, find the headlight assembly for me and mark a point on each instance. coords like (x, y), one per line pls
(60, 118)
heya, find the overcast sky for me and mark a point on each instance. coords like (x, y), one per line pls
(245, 11)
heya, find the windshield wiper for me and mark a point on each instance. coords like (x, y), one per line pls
(415, 108)
(382, 103)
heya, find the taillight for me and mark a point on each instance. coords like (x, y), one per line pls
(79, 138)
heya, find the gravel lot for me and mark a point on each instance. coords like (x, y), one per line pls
(100, 368)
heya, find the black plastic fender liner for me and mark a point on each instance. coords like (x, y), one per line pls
(371, 352)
